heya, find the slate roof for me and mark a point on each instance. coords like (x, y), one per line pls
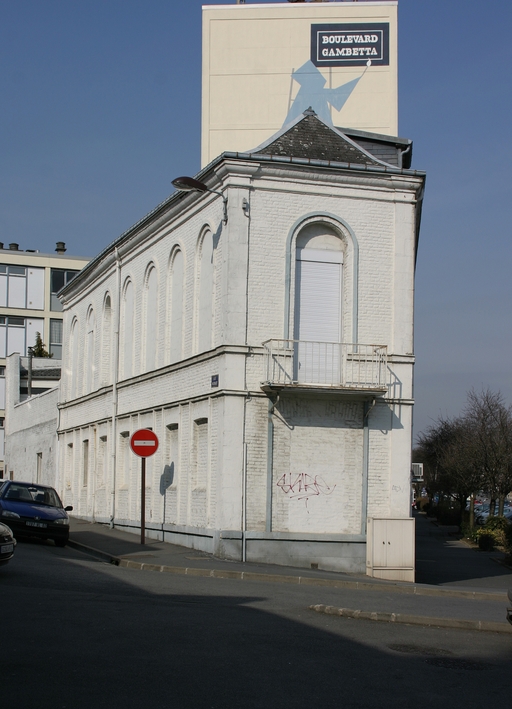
(310, 138)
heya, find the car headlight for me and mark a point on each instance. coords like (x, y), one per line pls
(63, 520)
(8, 513)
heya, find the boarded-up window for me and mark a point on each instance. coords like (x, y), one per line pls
(199, 501)
(169, 479)
(85, 463)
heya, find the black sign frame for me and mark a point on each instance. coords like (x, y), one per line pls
(350, 44)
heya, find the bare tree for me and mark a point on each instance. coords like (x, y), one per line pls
(449, 462)
(490, 423)
(472, 453)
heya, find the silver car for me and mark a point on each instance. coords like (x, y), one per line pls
(7, 544)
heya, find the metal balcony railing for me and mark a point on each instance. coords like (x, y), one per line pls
(325, 364)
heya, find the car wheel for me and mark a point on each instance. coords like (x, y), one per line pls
(60, 542)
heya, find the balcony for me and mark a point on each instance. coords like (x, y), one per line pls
(325, 366)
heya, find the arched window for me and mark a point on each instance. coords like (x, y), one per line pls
(318, 324)
(151, 319)
(90, 357)
(106, 342)
(73, 375)
(127, 330)
(176, 293)
(204, 293)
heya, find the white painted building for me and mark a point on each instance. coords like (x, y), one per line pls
(264, 331)
(31, 418)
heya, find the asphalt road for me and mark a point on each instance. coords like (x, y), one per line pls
(78, 633)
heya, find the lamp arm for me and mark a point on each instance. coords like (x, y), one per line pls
(224, 200)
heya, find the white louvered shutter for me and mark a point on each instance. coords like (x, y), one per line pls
(318, 315)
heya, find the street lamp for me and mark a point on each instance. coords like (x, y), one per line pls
(189, 184)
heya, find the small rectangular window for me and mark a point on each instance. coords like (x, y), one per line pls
(56, 338)
(16, 291)
(59, 277)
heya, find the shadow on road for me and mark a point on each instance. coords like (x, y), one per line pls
(84, 634)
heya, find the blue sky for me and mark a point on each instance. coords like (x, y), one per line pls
(101, 109)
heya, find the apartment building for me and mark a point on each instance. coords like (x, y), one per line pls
(29, 283)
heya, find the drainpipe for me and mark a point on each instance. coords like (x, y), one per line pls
(244, 504)
(366, 457)
(93, 480)
(59, 484)
(115, 376)
(246, 208)
(270, 461)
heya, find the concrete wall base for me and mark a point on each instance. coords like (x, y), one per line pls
(327, 554)
(347, 557)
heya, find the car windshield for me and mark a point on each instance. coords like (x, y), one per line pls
(31, 493)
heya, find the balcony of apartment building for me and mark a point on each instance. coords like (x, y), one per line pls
(324, 367)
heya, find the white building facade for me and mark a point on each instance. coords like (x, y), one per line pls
(32, 419)
(264, 332)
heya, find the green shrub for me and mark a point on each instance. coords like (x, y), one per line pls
(496, 523)
(508, 539)
(497, 531)
(497, 526)
(485, 540)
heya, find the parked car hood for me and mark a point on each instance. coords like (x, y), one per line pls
(26, 509)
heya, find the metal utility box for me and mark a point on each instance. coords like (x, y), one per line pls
(390, 549)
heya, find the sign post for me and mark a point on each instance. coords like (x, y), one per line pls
(143, 443)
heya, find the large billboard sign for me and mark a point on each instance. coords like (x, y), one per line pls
(265, 64)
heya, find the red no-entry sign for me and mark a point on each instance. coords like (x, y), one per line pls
(144, 443)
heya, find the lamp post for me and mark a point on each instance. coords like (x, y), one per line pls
(29, 382)
(189, 184)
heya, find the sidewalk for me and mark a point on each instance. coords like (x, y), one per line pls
(459, 587)
(442, 559)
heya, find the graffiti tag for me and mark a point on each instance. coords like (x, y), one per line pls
(303, 486)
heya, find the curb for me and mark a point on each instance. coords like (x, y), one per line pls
(93, 552)
(309, 581)
(500, 596)
(487, 626)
